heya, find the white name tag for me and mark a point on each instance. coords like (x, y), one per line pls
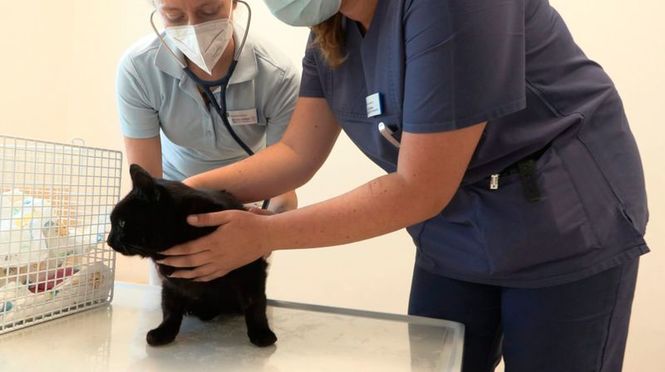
(374, 105)
(243, 117)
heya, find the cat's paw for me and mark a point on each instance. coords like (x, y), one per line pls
(262, 338)
(160, 336)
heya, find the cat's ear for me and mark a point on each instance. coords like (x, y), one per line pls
(141, 179)
(145, 185)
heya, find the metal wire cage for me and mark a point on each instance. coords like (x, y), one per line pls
(55, 201)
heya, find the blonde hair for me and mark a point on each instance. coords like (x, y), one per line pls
(154, 2)
(329, 37)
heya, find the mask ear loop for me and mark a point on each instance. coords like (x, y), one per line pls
(175, 56)
(161, 38)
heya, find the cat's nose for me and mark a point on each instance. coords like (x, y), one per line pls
(111, 240)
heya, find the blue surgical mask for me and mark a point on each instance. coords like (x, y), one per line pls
(303, 12)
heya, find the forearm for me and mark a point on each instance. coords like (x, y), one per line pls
(145, 152)
(420, 188)
(384, 205)
(285, 165)
(273, 171)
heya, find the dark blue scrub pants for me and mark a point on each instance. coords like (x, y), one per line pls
(580, 326)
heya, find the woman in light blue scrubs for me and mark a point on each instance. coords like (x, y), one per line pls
(509, 160)
(169, 125)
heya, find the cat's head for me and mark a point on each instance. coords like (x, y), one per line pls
(146, 220)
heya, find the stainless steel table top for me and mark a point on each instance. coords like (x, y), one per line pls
(311, 338)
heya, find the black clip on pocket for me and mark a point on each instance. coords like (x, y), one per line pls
(527, 171)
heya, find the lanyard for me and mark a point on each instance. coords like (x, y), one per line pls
(220, 106)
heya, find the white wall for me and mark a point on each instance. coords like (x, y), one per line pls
(59, 66)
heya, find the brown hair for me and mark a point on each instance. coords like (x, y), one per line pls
(329, 37)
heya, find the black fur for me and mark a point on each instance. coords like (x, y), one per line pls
(151, 219)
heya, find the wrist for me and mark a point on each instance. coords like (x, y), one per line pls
(271, 234)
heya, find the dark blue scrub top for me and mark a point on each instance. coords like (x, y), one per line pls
(442, 65)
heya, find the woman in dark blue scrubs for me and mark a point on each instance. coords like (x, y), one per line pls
(510, 162)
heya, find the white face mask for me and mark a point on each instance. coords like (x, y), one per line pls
(303, 12)
(203, 43)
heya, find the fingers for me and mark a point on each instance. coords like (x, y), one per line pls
(190, 260)
(215, 275)
(199, 272)
(183, 249)
(199, 245)
(209, 219)
(260, 211)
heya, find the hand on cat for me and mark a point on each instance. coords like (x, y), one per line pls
(260, 211)
(239, 240)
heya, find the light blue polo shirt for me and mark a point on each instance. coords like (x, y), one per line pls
(157, 98)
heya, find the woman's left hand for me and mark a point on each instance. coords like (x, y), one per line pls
(240, 239)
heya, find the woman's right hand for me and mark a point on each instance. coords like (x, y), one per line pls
(260, 211)
(233, 244)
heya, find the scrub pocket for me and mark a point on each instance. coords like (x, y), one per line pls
(610, 218)
(519, 234)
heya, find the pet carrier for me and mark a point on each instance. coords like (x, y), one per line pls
(55, 201)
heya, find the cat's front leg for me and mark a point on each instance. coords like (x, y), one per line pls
(258, 329)
(173, 309)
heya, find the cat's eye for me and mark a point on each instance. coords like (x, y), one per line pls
(121, 223)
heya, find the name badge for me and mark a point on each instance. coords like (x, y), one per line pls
(374, 105)
(243, 117)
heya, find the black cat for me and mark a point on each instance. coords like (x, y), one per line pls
(151, 219)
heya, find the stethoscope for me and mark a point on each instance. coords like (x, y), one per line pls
(208, 86)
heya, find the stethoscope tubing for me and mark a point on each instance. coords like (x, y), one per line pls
(222, 83)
